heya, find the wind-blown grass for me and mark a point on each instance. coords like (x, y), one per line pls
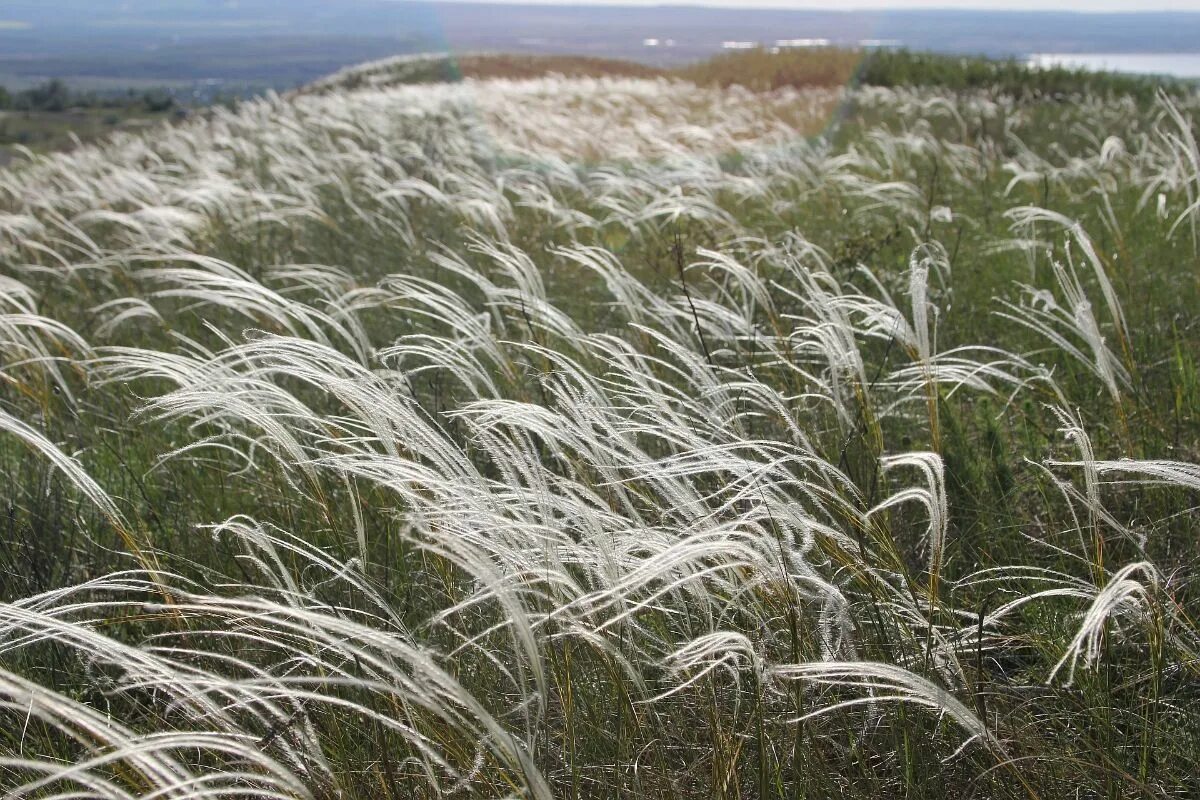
(603, 437)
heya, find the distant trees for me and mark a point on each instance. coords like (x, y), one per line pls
(53, 95)
(56, 95)
(158, 100)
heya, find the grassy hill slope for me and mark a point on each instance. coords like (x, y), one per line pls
(613, 436)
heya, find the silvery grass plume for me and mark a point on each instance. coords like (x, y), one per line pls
(36, 348)
(1179, 163)
(67, 465)
(1044, 314)
(258, 716)
(887, 683)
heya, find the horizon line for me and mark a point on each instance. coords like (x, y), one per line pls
(733, 5)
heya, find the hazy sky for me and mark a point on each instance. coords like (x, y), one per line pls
(848, 5)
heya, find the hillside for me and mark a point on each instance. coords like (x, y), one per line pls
(611, 435)
(763, 70)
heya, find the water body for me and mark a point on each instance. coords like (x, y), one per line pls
(1179, 65)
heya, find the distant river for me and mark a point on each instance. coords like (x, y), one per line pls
(1180, 65)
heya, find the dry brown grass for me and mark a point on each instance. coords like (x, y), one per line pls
(762, 70)
(519, 67)
(759, 69)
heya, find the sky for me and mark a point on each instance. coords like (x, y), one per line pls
(851, 5)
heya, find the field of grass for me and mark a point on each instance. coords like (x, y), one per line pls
(51, 116)
(617, 436)
(49, 131)
(761, 69)
(90, 116)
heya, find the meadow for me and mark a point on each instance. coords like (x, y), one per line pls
(51, 116)
(607, 435)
